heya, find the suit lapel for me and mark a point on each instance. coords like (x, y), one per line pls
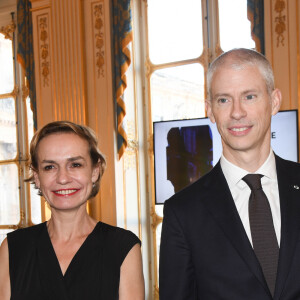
(221, 205)
(290, 215)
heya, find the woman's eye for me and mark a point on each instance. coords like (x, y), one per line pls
(76, 165)
(48, 168)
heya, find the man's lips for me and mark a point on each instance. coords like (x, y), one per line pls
(239, 130)
(66, 192)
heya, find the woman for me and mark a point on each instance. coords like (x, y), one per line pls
(71, 256)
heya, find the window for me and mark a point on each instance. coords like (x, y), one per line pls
(177, 42)
(20, 206)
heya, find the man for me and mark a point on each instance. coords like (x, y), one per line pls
(217, 242)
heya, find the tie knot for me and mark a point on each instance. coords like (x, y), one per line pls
(253, 181)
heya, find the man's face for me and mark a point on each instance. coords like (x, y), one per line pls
(242, 108)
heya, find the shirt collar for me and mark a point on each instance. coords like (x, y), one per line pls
(234, 174)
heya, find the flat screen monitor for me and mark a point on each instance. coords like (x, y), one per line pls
(184, 150)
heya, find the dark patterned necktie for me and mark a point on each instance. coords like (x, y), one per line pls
(263, 234)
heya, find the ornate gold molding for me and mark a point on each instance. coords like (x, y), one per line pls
(22, 215)
(150, 144)
(156, 292)
(8, 30)
(9, 226)
(98, 24)
(156, 219)
(15, 91)
(280, 19)
(25, 92)
(130, 154)
(218, 49)
(44, 49)
(132, 147)
(148, 66)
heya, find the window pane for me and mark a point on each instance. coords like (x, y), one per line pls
(235, 28)
(175, 30)
(29, 120)
(9, 187)
(35, 199)
(178, 93)
(36, 215)
(8, 133)
(6, 63)
(3, 233)
(159, 209)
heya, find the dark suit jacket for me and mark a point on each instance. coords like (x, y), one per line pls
(205, 252)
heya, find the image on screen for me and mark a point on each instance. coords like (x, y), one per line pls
(188, 154)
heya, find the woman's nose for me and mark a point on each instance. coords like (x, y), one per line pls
(63, 176)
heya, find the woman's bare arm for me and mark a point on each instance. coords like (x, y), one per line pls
(132, 286)
(4, 272)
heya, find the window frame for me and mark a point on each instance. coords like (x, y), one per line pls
(20, 94)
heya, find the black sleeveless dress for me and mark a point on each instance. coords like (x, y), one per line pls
(94, 272)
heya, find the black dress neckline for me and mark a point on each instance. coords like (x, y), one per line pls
(78, 253)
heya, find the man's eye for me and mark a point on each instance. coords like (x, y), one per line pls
(250, 97)
(222, 100)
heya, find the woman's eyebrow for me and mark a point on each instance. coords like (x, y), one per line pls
(50, 161)
(75, 158)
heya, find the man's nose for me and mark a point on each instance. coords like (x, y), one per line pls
(237, 110)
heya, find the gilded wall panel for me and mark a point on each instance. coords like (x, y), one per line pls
(42, 40)
(43, 25)
(100, 110)
(280, 20)
(98, 37)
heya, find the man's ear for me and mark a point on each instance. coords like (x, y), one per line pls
(209, 111)
(276, 99)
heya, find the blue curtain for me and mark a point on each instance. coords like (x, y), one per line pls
(122, 37)
(256, 17)
(25, 49)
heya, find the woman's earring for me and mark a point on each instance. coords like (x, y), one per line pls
(94, 184)
(39, 190)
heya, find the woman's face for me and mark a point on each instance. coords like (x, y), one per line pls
(65, 173)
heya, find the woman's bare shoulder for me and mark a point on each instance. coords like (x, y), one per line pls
(132, 284)
(4, 254)
(4, 272)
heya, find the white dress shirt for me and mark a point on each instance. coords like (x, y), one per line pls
(240, 191)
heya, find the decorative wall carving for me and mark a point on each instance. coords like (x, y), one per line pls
(44, 49)
(98, 24)
(280, 20)
(8, 30)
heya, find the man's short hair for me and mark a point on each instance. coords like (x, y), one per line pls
(239, 58)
